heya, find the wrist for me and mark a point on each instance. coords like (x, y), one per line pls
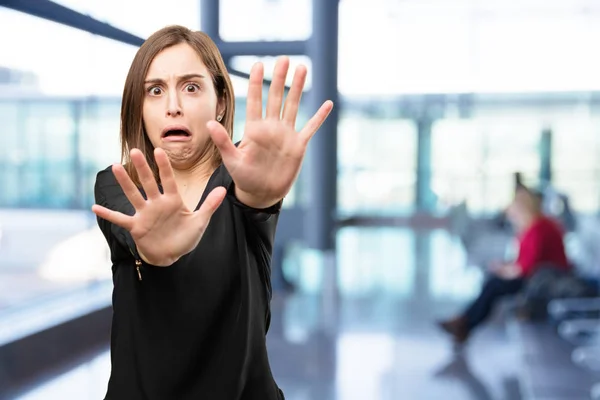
(157, 262)
(259, 202)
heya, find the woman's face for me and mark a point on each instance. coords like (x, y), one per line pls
(515, 213)
(179, 100)
(521, 210)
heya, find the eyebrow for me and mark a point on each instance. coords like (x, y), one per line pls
(180, 78)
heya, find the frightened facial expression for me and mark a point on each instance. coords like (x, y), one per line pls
(179, 100)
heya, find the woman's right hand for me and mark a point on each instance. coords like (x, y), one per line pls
(163, 228)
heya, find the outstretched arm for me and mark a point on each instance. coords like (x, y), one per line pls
(108, 194)
(268, 160)
(162, 227)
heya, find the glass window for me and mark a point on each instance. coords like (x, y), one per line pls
(561, 36)
(575, 154)
(456, 162)
(140, 17)
(425, 37)
(54, 135)
(448, 47)
(63, 61)
(39, 170)
(48, 147)
(99, 141)
(475, 159)
(11, 156)
(376, 165)
(245, 63)
(369, 262)
(267, 20)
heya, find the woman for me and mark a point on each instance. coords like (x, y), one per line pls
(190, 221)
(540, 244)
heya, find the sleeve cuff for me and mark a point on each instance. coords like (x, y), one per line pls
(274, 209)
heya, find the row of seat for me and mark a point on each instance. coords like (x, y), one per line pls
(577, 322)
(560, 353)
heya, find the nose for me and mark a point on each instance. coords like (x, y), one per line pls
(174, 105)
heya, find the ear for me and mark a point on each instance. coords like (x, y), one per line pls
(221, 106)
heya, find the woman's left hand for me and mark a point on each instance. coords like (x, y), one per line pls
(268, 160)
(508, 272)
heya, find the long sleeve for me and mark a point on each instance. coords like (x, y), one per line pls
(261, 223)
(260, 226)
(108, 193)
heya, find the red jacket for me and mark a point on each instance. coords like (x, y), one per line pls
(541, 244)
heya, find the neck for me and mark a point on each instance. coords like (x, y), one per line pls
(196, 174)
(529, 220)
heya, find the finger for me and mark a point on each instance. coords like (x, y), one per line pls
(316, 121)
(165, 170)
(292, 102)
(254, 98)
(129, 188)
(115, 217)
(229, 153)
(277, 88)
(145, 174)
(210, 205)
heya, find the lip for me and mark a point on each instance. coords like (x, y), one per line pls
(176, 138)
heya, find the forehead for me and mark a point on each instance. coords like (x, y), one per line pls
(176, 60)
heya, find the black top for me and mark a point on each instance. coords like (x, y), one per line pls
(197, 329)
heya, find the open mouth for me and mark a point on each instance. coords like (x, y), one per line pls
(176, 133)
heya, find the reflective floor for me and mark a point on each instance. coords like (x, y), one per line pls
(373, 338)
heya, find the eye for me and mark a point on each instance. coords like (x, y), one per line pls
(192, 87)
(155, 90)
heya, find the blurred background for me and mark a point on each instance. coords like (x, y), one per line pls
(392, 223)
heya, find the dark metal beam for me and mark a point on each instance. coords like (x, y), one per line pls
(52, 11)
(245, 75)
(321, 163)
(209, 24)
(424, 194)
(209, 19)
(290, 48)
(241, 74)
(546, 156)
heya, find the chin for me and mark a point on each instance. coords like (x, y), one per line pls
(186, 156)
(179, 154)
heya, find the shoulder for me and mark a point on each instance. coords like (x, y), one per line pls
(545, 227)
(106, 186)
(552, 226)
(220, 177)
(106, 177)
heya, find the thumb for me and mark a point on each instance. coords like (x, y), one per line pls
(210, 204)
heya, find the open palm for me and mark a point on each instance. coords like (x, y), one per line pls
(163, 228)
(267, 161)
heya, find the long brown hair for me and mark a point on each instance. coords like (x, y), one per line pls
(133, 133)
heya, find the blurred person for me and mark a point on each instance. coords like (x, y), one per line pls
(540, 245)
(190, 220)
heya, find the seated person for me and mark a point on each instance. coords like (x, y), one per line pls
(540, 244)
